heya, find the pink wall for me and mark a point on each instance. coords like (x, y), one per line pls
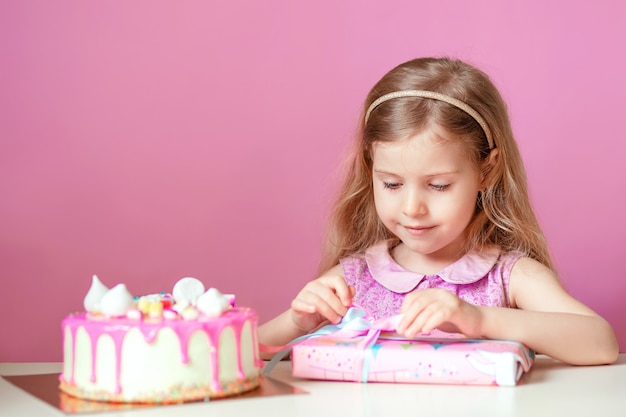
(147, 141)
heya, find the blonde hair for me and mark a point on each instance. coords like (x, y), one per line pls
(504, 214)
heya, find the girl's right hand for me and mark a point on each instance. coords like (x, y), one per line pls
(325, 299)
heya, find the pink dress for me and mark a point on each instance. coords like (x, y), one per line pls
(479, 278)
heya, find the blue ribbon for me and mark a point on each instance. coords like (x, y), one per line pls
(356, 322)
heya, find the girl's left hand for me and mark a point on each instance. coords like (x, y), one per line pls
(425, 310)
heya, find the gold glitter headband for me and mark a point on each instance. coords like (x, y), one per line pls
(435, 96)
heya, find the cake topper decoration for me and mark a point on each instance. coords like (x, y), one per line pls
(117, 301)
(97, 290)
(213, 303)
(187, 290)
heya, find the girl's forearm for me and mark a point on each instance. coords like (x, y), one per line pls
(573, 338)
(279, 331)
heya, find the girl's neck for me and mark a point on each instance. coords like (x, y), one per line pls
(427, 264)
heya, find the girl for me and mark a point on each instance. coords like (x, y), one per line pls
(434, 221)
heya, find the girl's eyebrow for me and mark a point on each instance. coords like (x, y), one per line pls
(438, 174)
(434, 174)
(381, 171)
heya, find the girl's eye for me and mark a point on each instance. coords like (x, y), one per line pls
(440, 187)
(391, 185)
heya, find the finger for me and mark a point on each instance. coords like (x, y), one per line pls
(414, 299)
(415, 327)
(325, 303)
(352, 291)
(411, 319)
(432, 320)
(302, 306)
(422, 314)
(339, 286)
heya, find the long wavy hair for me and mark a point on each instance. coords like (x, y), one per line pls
(504, 215)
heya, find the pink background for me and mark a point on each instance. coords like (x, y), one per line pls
(145, 141)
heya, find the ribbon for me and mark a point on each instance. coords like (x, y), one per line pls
(356, 323)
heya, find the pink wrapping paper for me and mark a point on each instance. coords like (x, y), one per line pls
(434, 360)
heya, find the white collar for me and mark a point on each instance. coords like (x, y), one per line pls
(470, 268)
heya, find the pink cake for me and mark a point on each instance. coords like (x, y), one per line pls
(188, 346)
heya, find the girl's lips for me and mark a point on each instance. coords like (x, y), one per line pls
(418, 230)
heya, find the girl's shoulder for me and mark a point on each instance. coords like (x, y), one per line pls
(529, 277)
(525, 266)
(508, 259)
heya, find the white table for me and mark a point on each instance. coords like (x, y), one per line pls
(551, 389)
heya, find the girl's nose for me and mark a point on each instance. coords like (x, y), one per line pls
(414, 204)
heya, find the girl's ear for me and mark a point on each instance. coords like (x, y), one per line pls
(487, 167)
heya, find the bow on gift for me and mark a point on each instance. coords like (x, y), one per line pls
(356, 323)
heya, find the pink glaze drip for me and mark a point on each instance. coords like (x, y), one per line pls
(73, 330)
(117, 329)
(240, 373)
(257, 356)
(215, 384)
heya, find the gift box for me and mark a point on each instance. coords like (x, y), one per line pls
(429, 360)
(363, 349)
